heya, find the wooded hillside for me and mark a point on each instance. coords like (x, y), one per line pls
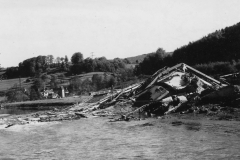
(221, 45)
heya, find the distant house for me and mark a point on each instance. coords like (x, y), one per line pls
(61, 91)
(55, 93)
(47, 93)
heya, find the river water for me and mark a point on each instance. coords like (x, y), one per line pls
(97, 138)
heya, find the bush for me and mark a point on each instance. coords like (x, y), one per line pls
(16, 95)
(216, 68)
(224, 67)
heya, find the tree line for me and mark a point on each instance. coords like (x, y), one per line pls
(101, 64)
(35, 66)
(221, 45)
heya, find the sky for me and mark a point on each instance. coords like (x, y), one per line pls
(109, 28)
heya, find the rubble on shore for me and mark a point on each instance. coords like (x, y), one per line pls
(180, 89)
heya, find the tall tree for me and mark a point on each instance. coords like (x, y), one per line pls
(97, 81)
(34, 93)
(51, 58)
(58, 60)
(151, 63)
(77, 58)
(54, 81)
(39, 84)
(66, 59)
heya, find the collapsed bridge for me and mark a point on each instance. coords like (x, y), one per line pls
(170, 89)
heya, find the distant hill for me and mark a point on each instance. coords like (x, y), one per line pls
(140, 58)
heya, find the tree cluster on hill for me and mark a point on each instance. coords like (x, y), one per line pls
(12, 72)
(101, 64)
(152, 62)
(98, 82)
(219, 68)
(36, 66)
(32, 66)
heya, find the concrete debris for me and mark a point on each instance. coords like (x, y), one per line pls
(178, 89)
(233, 78)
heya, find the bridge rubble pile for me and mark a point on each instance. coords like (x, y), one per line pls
(181, 89)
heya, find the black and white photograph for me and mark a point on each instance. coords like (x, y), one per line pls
(119, 79)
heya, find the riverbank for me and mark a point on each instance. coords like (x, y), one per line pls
(45, 103)
(114, 114)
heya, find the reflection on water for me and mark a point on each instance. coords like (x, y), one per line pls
(96, 138)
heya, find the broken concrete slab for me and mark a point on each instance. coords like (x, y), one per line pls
(183, 81)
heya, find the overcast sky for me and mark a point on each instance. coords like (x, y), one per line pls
(110, 28)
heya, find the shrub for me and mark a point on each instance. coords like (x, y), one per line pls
(16, 95)
(215, 68)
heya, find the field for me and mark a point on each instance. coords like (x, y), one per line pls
(7, 84)
(64, 81)
(89, 75)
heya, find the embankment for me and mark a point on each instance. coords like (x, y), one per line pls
(41, 104)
